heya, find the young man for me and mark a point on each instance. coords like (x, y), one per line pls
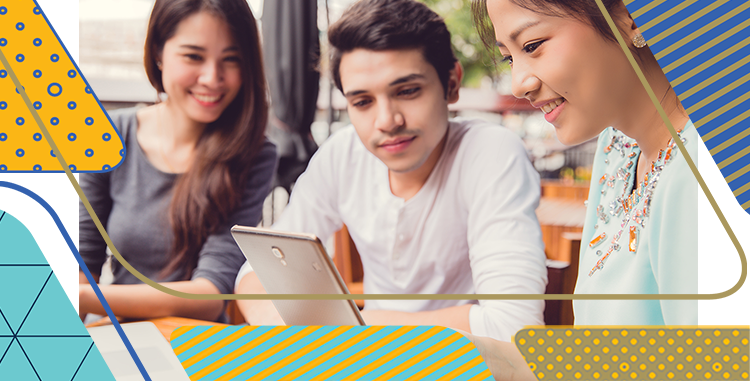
(434, 206)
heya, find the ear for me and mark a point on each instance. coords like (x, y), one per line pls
(454, 82)
(625, 21)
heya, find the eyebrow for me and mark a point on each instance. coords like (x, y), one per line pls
(200, 48)
(514, 35)
(398, 81)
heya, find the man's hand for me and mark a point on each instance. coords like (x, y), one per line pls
(452, 317)
(256, 312)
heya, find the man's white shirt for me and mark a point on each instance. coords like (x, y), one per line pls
(471, 228)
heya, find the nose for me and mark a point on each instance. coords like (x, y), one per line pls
(389, 118)
(523, 82)
(211, 74)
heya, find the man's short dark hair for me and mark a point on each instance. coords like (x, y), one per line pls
(381, 25)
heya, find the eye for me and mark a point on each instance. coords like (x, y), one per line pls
(410, 91)
(508, 59)
(361, 103)
(193, 57)
(233, 59)
(531, 47)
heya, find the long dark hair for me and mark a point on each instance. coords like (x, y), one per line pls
(583, 10)
(206, 194)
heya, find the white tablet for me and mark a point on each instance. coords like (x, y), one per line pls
(290, 263)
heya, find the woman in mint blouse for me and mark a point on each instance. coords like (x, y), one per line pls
(640, 233)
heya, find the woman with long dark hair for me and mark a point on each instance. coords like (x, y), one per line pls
(640, 231)
(197, 163)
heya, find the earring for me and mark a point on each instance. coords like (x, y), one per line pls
(639, 41)
(158, 64)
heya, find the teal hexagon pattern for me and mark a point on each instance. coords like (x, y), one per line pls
(41, 336)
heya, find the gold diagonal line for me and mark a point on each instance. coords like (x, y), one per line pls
(712, 61)
(683, 151)
(685, 94)
(685, 22)
(646, 8)
(708, 45)
(690, 37)
(684, 4)
(741, 190)
(37, 118)
(716, 131)
(737, 83)
(723, 109)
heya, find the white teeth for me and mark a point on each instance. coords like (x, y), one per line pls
(207, 98)
(551, 106)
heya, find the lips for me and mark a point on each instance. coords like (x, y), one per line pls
(548, 107)
(397, 141)
(207, 99)
(397, 145)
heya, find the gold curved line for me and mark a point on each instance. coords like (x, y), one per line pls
(73, 179)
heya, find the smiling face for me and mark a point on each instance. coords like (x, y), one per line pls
(398, 105)
(201, 68)
(580, 80)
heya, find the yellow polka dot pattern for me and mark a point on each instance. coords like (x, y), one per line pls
(636, 353)
(58, 93)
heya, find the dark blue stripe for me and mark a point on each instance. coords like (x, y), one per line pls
(738, 183)
(745, 197)
(727, 134)
(714, 69)
(717, 86)
(731, 150)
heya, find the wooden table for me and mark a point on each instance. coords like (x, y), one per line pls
(166, 325)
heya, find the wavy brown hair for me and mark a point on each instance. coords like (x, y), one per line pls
(208, 192)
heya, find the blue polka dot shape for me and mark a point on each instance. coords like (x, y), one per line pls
(58, 97)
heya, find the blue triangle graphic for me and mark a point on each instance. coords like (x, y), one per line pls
(15, 366)
(56, 358)
(17, 245)
(53, 302)
(25, 283)
(93, 368)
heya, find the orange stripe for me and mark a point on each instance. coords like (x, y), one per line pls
(298, 354)
(330, 354)
(197, 339)
(268, 353)
(462, 369)
(446, 360)
(180, 331)
(218, 346)
(392, 354)
(364, 352)
(421, 356)
(236, 353)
